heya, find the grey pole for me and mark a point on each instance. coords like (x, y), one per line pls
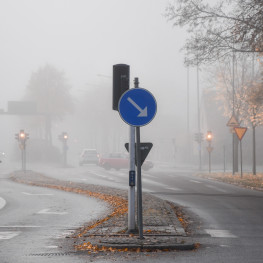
(131, 192)
(241, 170)
(209, 158)
(139, 176)
(139, 183)
(198, 117)
(224, 157)
(22, 158)
(25, 157)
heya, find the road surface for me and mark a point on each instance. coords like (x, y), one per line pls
(227, 220)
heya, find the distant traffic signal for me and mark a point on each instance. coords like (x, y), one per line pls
(209, 136)
(121, 82)
(21, 136)
(63, 137)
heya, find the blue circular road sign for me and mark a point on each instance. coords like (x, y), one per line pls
(137, 107)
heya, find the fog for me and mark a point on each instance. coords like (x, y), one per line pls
(84, 39)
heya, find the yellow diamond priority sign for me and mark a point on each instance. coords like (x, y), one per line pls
(240, 132)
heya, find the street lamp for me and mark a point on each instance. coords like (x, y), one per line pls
(209, 137)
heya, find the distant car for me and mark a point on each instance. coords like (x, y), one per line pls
(120, 161)
(88, 156)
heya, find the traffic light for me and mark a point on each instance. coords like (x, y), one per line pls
(209, 136)
(22, 135)
(63, 137)
(121, 82)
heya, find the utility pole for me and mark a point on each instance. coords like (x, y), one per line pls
(209, 137)
(198, 118)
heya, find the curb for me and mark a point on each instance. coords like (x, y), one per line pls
(100, 235)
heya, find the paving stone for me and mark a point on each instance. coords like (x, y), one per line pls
(162, 228)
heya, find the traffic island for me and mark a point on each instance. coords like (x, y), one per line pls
(165, 228)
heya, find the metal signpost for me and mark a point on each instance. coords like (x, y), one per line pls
(64, 138)
(232, 123)
(137, 107)
(209, 137)
(240, 132)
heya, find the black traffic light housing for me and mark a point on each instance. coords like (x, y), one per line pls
(21, 136)
(121, 82)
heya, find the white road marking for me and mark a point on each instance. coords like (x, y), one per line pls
(215, 188)
(25, 193)
(48, 212)
(194, 181)
(220, 233)
(8, 234)
(20, 226)
(173, 189)
(52, 247)
(2, 203)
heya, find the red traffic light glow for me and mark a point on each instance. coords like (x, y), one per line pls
(22, 135)
(209, 136)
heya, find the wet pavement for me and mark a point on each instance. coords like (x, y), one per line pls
(164, 227)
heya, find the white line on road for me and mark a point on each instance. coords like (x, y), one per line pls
(2, 203)
(173, 188)
(9, 235)
(25, 193)
(220, 233)
(194, 181)
(215, 188)
(48, 212)
(20, 226)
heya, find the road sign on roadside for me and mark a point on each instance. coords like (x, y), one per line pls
(209, 149)
(137, 107)
(232, 122)
(145, 149)
(240, 132)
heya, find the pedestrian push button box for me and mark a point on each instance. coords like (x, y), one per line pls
(131, 178)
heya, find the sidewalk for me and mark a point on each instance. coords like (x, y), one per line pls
(162, 228)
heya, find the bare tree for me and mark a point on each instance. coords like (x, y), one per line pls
(218, 30)
(247, 97)
(49, 89)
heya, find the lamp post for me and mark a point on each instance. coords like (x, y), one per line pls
(209, 137)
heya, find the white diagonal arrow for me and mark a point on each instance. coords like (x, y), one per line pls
(143, 112)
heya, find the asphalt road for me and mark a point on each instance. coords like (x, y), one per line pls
(227, 220)
(33, 220)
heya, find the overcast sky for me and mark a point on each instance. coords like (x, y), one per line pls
(84, 38)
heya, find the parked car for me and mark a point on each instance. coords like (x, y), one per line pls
(88, 156)
(120, 161)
